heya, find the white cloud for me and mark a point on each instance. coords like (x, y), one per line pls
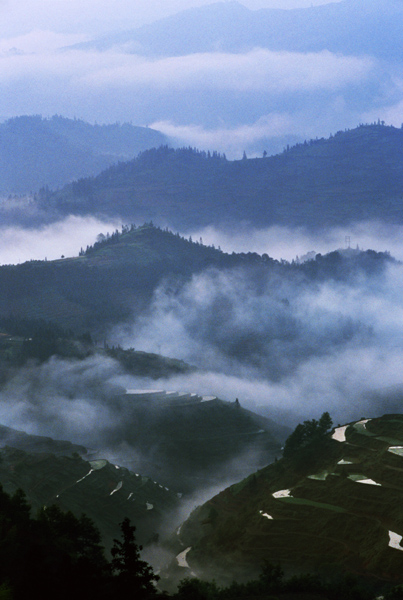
(232, 141)
(258, 70)
(52, 241)
(38, 41)
(288, 242)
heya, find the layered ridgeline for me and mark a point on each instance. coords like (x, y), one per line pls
(115, 279)
(353, 176)
(231, 27)
(108, 282)
(37, 152)
(332, 504)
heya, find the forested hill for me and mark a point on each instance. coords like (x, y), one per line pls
(115, 279)
(352, 176)
(36, 152)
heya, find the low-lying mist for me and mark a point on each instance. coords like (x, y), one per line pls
(283, 345)
(287, 243)
(287, 344)
(40, 241)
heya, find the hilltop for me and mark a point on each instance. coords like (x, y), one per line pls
(333, 506)
(355, 175)
(115, 279)
(37, 152)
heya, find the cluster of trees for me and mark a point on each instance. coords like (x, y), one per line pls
(57, 555)
(109, 239)
(272, 585)
(307, 436)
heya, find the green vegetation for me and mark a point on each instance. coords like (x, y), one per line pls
(59, 555)
(273, 585)
(282, 514)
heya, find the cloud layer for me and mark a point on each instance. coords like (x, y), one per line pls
(64, 238)
(188, 97)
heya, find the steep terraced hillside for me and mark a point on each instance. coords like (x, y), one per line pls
(188, 441)
(103, 491)
(337, 506)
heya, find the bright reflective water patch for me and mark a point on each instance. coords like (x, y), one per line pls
(369, 482)
(97, 465)
(361, 427)
(319, 476)
(181, 558)
(282, 494)
(362, 479)
(85, 476)
(394, 540)
(340, 434)
(117, 488)
(396, 450)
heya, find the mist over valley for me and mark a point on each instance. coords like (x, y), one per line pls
(201, 273)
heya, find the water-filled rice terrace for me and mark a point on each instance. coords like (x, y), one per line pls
(347, 511)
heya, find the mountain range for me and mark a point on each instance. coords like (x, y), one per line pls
(356, 27)
(353, 176)
(36, 152)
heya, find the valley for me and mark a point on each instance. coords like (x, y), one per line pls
(201, 300)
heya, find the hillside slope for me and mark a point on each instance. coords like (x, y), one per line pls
(187, 441)
(51, 474)
(355, 175)
(334, 507)
(114, 281)
(37, 152)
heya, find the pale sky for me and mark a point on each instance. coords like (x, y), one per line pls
(96, 16)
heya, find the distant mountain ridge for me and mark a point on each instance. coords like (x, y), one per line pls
(37, 152)
(355, 175)
(346, 27)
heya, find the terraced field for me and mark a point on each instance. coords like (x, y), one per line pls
(190, 442)
(347, 513)
(105, 492)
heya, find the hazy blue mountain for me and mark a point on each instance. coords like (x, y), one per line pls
(373, 27)
(37, 152)
(354, 175)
